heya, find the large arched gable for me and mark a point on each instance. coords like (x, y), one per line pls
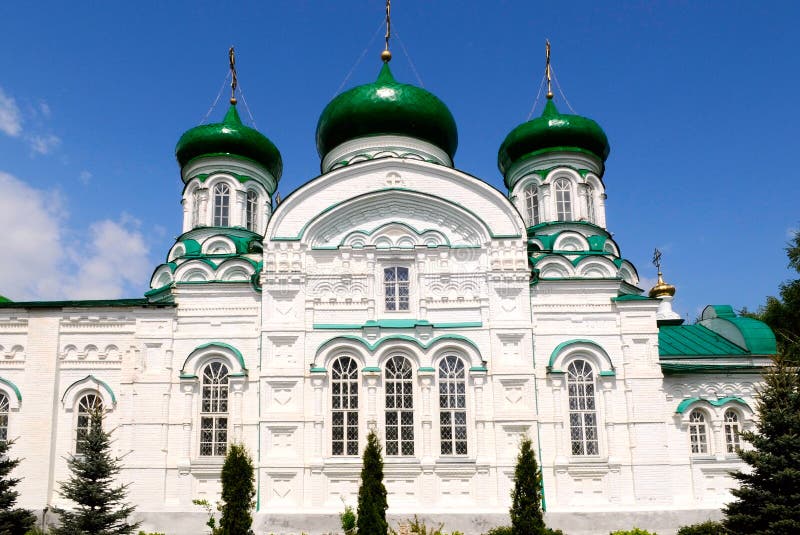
(464, 208)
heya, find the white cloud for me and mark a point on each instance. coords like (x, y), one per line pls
(44, 144)
(44, 109)
(645, 283)
(44, 259)
(10, 119)
(85, 177)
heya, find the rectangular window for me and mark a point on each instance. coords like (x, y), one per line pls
(395, 285)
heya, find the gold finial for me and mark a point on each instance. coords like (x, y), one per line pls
(661, 289)
(386, 55)
(234, 80)
(547, 69)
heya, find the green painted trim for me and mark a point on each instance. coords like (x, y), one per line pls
(384, 190)
(369, 369)
(632, 297)
(686, 403)
(187, 376)
(563, 345)
(13, 387)
(223, 345)
(608, 373)
(396, 338)
(672, 368)
(396, 324)
(318, 369)
(478, 369)
(202, 177)
(426, 369)
(101, 383)
(91, 303)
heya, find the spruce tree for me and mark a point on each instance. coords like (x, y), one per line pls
(100, 507)
(526, 498)
(372, 494)
(768, 499)
(238, 491)
(13, 521)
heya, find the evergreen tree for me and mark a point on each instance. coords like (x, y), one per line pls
(526, 498)
(13, 521)
(238, 491)
(372, 494)
(768, 500)
(100, 506)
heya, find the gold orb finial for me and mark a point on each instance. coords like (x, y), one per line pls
(234, 101)
(662, 289)
(386, 56)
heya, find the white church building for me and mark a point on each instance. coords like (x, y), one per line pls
(397, 293)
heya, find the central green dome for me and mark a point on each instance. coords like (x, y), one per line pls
(386, 107)
(553, 130)
(230, 136)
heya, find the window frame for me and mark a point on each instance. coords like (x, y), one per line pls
(586, 410)
(702, 442)
(214, 416)
(407, 382)
(397, 284)
(221, 204)
(732, 430)
(568, 212)
(531, 204)
(83, 419)
(350, 419)
(452, 423)
(251, 210)
(5, 416)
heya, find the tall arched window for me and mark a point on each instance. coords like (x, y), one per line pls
(214, 410)
(399, 407)
(344, 405)
(590, 212)
(563, 192)
(195, 208)
(395, 286)
(452, 406)
(4, 408)
(732, 430)
(251, 211)
(222, 205)
(90, 407)
(582, 409)
(698, 435)
(531, 198)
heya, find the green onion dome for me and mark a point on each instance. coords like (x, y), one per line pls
(386, 107)
(230, 136)
(4, 299)
(553, 130)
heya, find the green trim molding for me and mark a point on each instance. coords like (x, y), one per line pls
(686, 403)
(397, 324)
(397, 338)
(609, 372)
(220, 345)
(13, 387)
(92, 378)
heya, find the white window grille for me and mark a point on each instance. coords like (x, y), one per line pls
(222, 205)
(251, 211)
(399, 407)
(214, 410)
(563, 199)
(732, 430)
(89, 406)
(344, 404)
(531, 197)
(395, 285)
(582, 409)
(452, 406)
(698, 434)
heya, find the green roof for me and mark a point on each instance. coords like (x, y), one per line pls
(386, 107)
(93, 303)
(230, 136)
(553, 130)
(750, 333)
(4, 299)
(683, 340)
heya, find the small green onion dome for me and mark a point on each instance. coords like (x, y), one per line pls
(551, 131)
(386, 107)
(230, 136)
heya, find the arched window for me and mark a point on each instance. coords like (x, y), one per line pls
(698, 436)
(214, 410)
(251, 211)
(590, 215)
(452, 406)
(90, 407)
(531, 198)
(732, 430)
(222, 204)
(563, 199)
(344, 402)
(582, 409)
(395, 285)
(399, 407)
(4, 407)
(195, 208)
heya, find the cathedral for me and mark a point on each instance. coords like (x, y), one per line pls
(394, 293)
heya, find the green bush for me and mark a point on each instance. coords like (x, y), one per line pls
(153, 533)
(634, 531)
(502, 530)
(704, 528)
(418, 527)
(348, 520)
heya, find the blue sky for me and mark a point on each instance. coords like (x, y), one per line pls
(698, 100)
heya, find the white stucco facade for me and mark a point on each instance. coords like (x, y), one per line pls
(399, 294)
